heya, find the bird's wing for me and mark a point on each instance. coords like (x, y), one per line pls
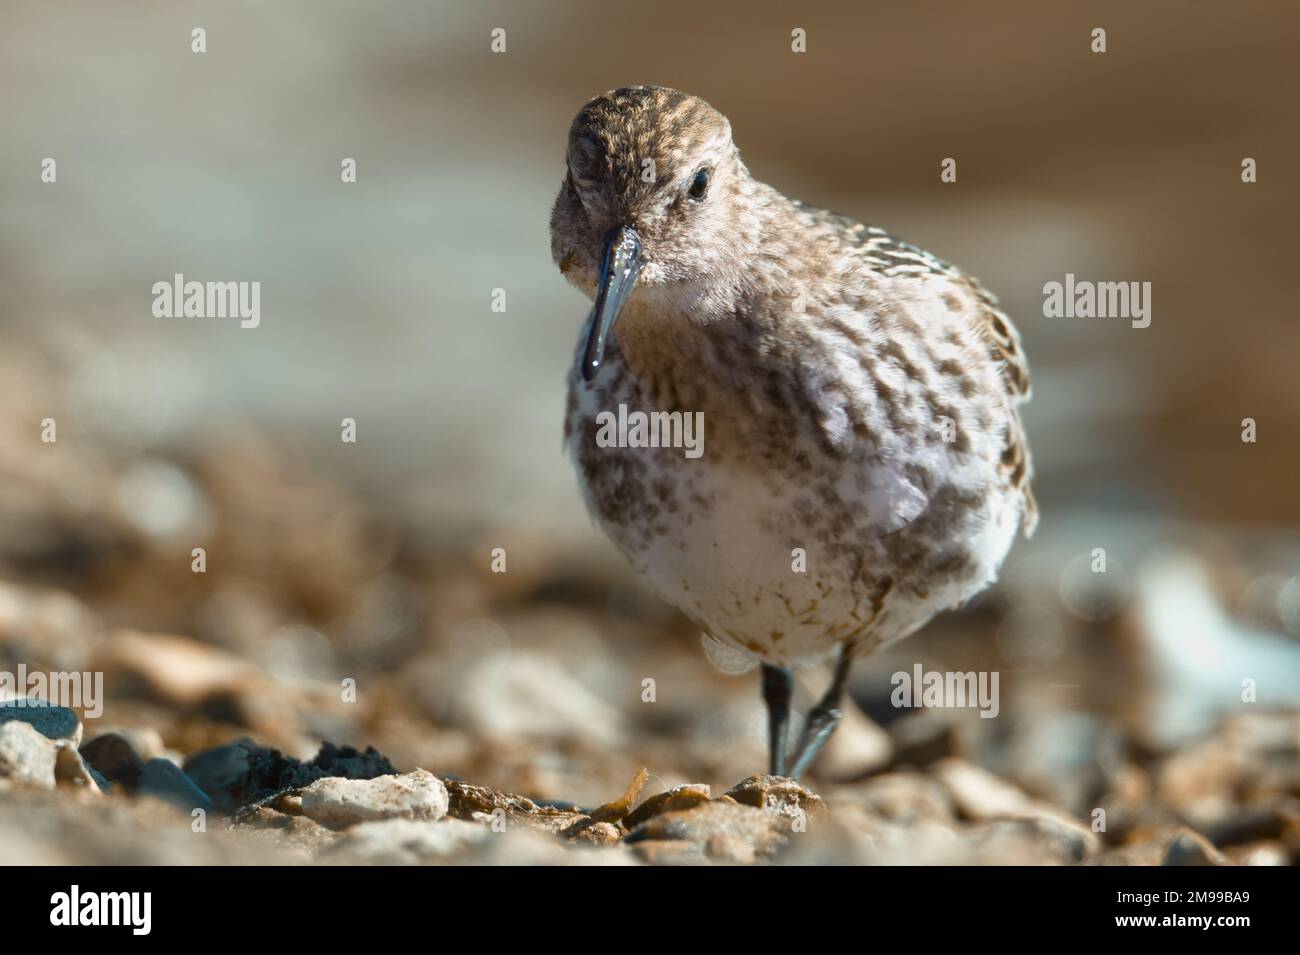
(1004, 344)
(889, 255)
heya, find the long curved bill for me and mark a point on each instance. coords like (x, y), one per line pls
(620, 264)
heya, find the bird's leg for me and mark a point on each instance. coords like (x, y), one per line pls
(778, 691)
(822, 718)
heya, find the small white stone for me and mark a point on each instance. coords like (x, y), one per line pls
(337, 802)
(979, 794)
(71, 770)
(25, 755)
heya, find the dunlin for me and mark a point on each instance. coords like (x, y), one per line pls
(863, 463)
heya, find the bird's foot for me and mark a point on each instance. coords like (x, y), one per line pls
(817, 729)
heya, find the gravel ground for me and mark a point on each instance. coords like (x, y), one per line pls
(336, 689)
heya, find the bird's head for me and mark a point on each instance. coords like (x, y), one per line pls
(653, 200)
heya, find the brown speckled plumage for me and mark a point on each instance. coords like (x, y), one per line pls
(859, 395)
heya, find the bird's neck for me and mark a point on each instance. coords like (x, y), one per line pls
(689, 341)
(679, 362)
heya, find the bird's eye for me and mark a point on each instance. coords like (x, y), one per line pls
(699, 185)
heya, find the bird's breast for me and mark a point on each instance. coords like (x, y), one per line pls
(738, 512)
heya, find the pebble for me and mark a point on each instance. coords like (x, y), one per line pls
(242, 772)
(523, 695)
(71, 770)
(1191, 848)
(26, 756)
(405, 841)
(53, 722)
(176, 669)
(164, 780)
(1144, 854)
(49, 626)
(854, 836)
(292, 832)
(1016, 827)
(722, 830)
(1274, 734)
(901, 796)
(673, 800)
(290, 804)
(1256, 823)
(1037, 840)
(1200, 782)
(113, 757)
(594, 832)
(338, 803)
(778, 795)
(978, 794)
(145, 740)
(670, 852)
(1261, 853)
(223, 771)
(481, 804)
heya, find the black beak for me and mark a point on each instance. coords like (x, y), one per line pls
(620, 264)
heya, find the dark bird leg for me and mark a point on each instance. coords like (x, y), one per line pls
(822, 718)
(778, 691)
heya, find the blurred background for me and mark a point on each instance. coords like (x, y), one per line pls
(328, 560)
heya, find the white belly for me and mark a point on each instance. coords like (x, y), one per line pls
(788, 570)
